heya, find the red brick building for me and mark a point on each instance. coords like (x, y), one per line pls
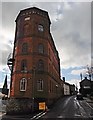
(36, 69)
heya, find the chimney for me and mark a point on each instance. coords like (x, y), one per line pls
(64, 79)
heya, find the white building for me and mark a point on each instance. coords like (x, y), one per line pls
(66, 88)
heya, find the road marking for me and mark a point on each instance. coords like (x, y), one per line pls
(38, 115)
(41, 115)
(77, 115)
(89, 106)
(60, 116)
(82, 110)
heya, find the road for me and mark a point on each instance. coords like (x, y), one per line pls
(70, 107)
(66, 107)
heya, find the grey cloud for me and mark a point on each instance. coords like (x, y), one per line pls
(71, 33)
(4, 54)
(5, 49)
(10, 11)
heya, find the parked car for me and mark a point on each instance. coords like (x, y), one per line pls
(79, 96)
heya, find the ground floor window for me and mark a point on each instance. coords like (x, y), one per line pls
(23, 84)
(40, 85)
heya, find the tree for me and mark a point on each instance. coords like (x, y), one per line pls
(90, 72)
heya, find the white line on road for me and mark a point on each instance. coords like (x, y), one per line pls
(89, 106)
(41, 115)
(60, 116)
(83, 113)
(78, 115)
(38, 115)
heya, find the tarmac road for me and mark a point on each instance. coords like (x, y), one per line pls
(66, 107)
(70, 107)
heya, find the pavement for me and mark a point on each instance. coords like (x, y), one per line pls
(20, 117)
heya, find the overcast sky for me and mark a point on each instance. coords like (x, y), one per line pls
(70, 29)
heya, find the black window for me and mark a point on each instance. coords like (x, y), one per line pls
(24, 48)
(26, 29)
(40, 65)
(41, 48)
(23, 65)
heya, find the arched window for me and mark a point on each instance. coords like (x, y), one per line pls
(24, 48)
(18, 28)
(24, 66)
(26, 29)
(41, 48)
(40, 65)
(40, 28)
(40, 85)
(23, 84)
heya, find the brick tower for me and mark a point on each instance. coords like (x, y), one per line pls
(36, 67)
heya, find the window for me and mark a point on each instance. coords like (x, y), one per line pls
(24, 48)
(40, 28)
(18, 28)
(27, 18)
(18, 32)
(24, 66)
(41, 48)
(40, 85)
(40, 65)
(23, 84)
(26, 29)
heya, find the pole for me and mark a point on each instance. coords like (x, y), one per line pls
(33, 89)
(81, 76)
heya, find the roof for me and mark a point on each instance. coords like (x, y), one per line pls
(85, 80)
(36, 9)
(66, 83)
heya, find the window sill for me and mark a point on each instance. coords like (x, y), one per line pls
(40, 90)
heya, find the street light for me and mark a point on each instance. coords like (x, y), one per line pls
(10, 62)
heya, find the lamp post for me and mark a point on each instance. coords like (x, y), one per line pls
(10, 63)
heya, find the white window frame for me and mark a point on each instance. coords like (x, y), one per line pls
(23, 84)
(40, 28)
(40, 85)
